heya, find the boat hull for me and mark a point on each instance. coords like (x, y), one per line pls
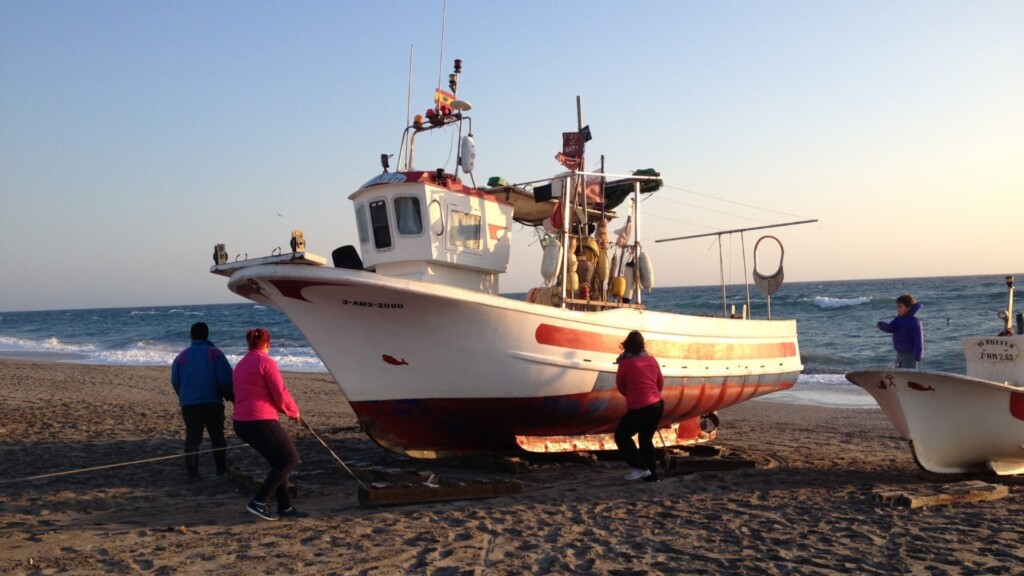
(433, 370)
(955, 424)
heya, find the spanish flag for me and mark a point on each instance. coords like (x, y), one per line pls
(443, 99)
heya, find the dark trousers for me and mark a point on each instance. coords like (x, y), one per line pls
(644, 423)
(271, 440)
(197, 417)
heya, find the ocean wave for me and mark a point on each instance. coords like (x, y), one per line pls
(825, 390)
(826, 302)
(10, 344)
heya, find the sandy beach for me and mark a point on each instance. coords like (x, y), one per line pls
(808, 507)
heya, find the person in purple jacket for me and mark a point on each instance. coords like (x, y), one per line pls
(201, 377)
(639, 379)
(907, 332)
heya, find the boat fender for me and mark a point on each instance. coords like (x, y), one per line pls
(467, 154)
(572, 282)
(602, 266)
(646, 271)
(572, 279)
(552, 261)
(585, 270)
(618, 286)
(627, 294)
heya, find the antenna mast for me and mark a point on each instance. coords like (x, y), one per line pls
(408, 109)
(440, 63)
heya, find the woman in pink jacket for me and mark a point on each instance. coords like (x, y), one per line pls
(639, 379)
(260, 394)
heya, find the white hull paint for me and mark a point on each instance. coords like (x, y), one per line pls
(393, 344)
(958, 424)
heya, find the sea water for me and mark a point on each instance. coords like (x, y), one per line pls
(835, 322)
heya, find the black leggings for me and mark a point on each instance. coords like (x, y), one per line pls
(271, 440)
(643, 423)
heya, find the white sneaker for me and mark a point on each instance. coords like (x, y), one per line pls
(638, 473)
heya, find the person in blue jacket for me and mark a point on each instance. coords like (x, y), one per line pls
(907, 332)
(201, 376)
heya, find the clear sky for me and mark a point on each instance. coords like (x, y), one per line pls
(136, 135)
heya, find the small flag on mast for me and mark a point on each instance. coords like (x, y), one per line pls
(443, 100)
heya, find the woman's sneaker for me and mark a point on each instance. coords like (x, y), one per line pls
(637, 473)
(261, 510)
(291, 512)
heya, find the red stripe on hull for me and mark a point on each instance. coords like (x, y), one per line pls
(475, 425)
(662, 349)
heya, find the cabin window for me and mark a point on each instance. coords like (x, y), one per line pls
(408, 215)
(379, 223)
(364, 236)
(464, 231)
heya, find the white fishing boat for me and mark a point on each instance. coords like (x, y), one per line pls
(959, 424)
(435, 361)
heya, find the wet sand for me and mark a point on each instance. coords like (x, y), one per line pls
(808, 507)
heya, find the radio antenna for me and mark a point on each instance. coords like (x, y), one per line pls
(440, 63)
(408, 107)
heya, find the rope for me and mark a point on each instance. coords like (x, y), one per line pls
(340, 461)
(118, 465)
(159, 458)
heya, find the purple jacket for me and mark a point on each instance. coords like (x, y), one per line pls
(907, 332)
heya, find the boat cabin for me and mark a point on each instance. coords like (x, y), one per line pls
(428, 226)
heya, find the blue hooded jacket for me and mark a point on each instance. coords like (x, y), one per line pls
(201, 374)
(907, 332)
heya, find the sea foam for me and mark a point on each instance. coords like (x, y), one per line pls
(826, 302)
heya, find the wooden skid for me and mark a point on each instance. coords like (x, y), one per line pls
(387, 494)
(705, 459)
(970, 491)
(688, 465)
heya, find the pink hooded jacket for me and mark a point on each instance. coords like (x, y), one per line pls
(639, 379)
(260, 393)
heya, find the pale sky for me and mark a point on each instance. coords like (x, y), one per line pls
(136, 135)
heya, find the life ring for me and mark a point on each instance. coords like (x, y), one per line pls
(769, 284)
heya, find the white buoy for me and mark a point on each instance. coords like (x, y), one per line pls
(467, 154)
(646, 271)
(552, 261)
